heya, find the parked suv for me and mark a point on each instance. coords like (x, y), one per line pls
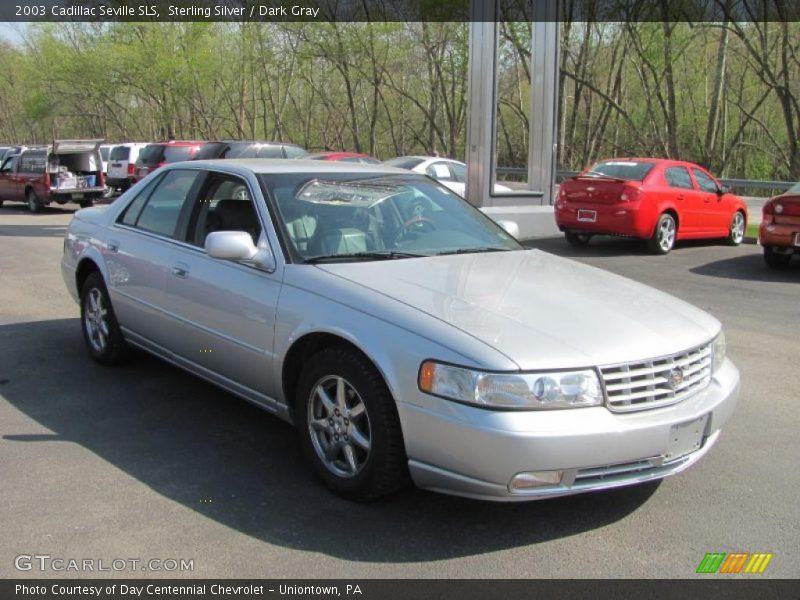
(158, 154)
(121, 164)
(68, 170)
(249, 149)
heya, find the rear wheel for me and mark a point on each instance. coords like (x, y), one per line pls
(663, 239)
(577, 239)
(776, 260)
(86, 203)
(34, 204)
(348, 425)
(101, 330)
(736, 231)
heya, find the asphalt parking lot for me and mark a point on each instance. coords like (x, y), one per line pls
(144, 461)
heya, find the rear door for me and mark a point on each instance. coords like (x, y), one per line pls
(680, 189)
(138, 254)
(118, 160)
(222, 313)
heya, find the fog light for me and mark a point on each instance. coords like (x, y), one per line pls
(535, 479)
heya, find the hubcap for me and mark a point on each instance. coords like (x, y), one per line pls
(737, 228)
(95, 320)
(339, 426)
(666, 234)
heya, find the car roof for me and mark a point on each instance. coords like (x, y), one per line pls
(297, 165)
(658, 161)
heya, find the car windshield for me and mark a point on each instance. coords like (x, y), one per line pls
(621, 169)
(795, 189)
(177, 153)
(351, 216)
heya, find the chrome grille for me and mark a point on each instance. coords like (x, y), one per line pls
(657, 382)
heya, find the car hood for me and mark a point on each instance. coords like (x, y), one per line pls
(539, 310)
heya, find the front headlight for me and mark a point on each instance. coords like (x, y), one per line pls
(555, 389)
(719, 351)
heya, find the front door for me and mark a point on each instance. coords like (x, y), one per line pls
(223, 312)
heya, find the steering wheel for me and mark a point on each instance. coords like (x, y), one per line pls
(416, 225)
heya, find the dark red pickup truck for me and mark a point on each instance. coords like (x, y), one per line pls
(66, 171)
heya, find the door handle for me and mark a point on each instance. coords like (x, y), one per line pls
(680, 196)
(113, 246)
(180, 270)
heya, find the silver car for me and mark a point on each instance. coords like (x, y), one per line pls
(405, 334)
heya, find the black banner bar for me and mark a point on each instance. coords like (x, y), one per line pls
(266, 11)
(713, 587)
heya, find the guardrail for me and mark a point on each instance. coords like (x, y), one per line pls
(739, 184)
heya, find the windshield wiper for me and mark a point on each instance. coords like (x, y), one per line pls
(598, 175)
(387, 255)
(472, 250)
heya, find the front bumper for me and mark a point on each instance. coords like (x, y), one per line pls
(473, 452)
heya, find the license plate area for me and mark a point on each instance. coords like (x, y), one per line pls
(77, 196)
(685, 438)
(587, 216)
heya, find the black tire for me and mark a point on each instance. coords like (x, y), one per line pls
(662, 242)
(737, 229)
(577, 239)
(34, 204)
(86, 203)
(383, 468)
(1, 202)
(775, 260)
(114, 350)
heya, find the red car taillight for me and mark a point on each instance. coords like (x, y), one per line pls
(131, 168)
(767, 213)
(629, 193)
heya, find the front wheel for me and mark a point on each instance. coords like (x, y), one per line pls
(776, 260)
(736, 231)
(101, 330)
(348, 425)
(577, 239)
(663, 238)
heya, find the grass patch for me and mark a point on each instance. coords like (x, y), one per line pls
(752, 231)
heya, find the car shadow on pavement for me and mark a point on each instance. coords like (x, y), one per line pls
(33, 231)
(608, 246)
(750, 267)
(232, 462)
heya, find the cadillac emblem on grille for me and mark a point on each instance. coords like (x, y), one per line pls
(675, 377)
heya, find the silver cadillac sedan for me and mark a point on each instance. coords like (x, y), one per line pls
(405, 334)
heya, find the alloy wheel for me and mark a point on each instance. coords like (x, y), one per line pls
(339, 426)
(737, 228)
(95, 320)
(666, 234)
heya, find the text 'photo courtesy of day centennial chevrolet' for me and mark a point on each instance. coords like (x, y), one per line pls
(408, 337)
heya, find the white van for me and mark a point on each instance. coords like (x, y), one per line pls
(121, 161)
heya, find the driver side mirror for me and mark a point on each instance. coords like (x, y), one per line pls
(723, 189)
(238, 245)
(510, 227)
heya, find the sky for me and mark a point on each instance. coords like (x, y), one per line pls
(13, 32)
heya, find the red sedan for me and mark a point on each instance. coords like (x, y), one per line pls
(652, 199)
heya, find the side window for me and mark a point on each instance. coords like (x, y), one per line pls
(678, 177)
(270, 151)
(224, 204)
(134, 209)
(440, 171)
(459, 172)
(8, 166)
(704, 181)
(163, 208)
(294, 152)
